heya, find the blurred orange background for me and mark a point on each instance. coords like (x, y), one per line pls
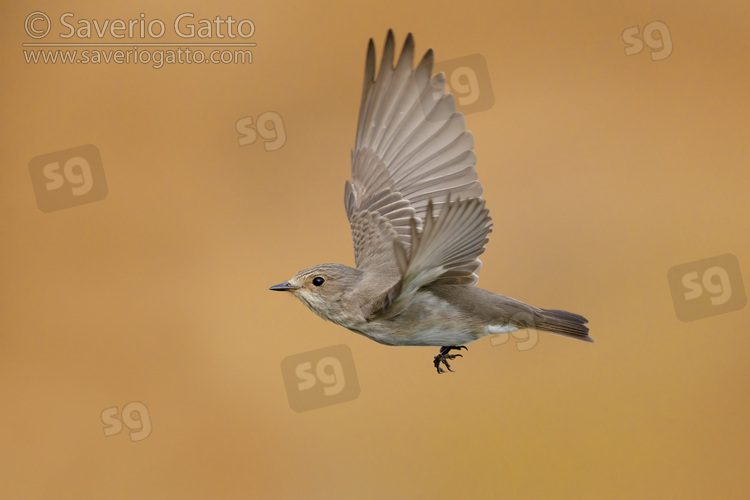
(601, 171)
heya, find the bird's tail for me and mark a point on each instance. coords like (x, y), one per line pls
(563, 323)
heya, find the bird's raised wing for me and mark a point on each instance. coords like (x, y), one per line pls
(445, 251)
(412, 148)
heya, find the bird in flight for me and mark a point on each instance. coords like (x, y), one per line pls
(418, 224)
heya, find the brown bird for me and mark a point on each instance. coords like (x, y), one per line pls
(418, 224)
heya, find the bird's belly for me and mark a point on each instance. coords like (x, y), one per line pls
(436, 336)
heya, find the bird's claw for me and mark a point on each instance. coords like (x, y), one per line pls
(443, 356)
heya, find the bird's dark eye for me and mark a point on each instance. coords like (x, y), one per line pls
(317, 281)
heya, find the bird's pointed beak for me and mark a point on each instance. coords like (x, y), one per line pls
(284, 287)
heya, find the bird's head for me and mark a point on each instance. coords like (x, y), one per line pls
(323, 288)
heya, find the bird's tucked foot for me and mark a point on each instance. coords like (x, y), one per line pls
(443, 357)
